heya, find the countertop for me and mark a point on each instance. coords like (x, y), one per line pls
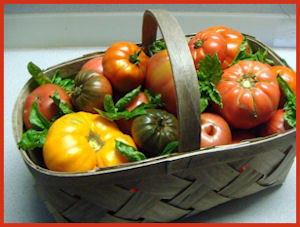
(22, 204)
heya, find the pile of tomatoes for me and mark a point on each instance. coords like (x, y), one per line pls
(84, 140)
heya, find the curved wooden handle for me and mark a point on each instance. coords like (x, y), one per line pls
(184, 74)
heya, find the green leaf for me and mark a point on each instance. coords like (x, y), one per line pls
(203, 103)
(290, 105)
(66, 84)
(113, 116)
(129, 152)
(109, 105)
(209, 75)
(154, 99)
(64, 108)
(37, 119)
(156, 46)
(140, 110)
(171, 147)
(37, 74)
(259, 55)
(286, 90)
(210, 69)
(126, 99)
(215, 95)
(32, 139)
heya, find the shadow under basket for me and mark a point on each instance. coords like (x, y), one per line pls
(170, 187)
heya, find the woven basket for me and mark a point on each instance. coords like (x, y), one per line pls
(166, 188)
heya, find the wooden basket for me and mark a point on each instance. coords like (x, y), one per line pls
(166, 188)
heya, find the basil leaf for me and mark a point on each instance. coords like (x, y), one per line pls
(156, 99)
(64, 108)
(171, 147)
(156, 46)
(215, 95)
(109, 105)
(129, 152)
(37, 119)
(290, 105)
(37, 74)
(210, 69)
(113, 116)
(259, 55)
(32, 139)
(209, 75)
(139, 110)
(66, 84)
(126, 99)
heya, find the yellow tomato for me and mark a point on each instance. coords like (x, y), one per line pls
(83, 141)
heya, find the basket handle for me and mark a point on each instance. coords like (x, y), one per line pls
(184, 74)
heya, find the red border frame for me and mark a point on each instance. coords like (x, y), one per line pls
(128, 2)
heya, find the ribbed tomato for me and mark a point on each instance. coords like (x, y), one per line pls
(234, 40)
(207, 43)
(250, 94)
(89, 90)
(153, 131)
(159, 79)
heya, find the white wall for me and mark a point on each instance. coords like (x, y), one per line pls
(49, 26)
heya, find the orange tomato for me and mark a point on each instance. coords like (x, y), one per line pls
(124, 64)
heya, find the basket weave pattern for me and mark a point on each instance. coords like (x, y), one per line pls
(167, 197)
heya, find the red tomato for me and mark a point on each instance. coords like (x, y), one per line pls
(46, 105)
(276, 124)
(239, 135)
(94, 64)
(215, 130)
(124, 64)
(289, 76)
(125, 125)
(234, 40)
(250, 94)
(159, 79)
(204, 43)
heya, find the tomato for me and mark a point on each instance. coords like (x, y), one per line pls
(94, 64)
(89, 90)
(233, 39)
(204, 43)
(46, 105)
(250, 94)
(276, 124)
(83, 141)
(289, 76)
(153, 131)
(124, 64)
(159, 79)
(215, 130)
(125, 125)
(239, 135)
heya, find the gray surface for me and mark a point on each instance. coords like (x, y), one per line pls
(22, 205)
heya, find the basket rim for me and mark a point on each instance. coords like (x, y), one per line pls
(166, 158)
(155, 160)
